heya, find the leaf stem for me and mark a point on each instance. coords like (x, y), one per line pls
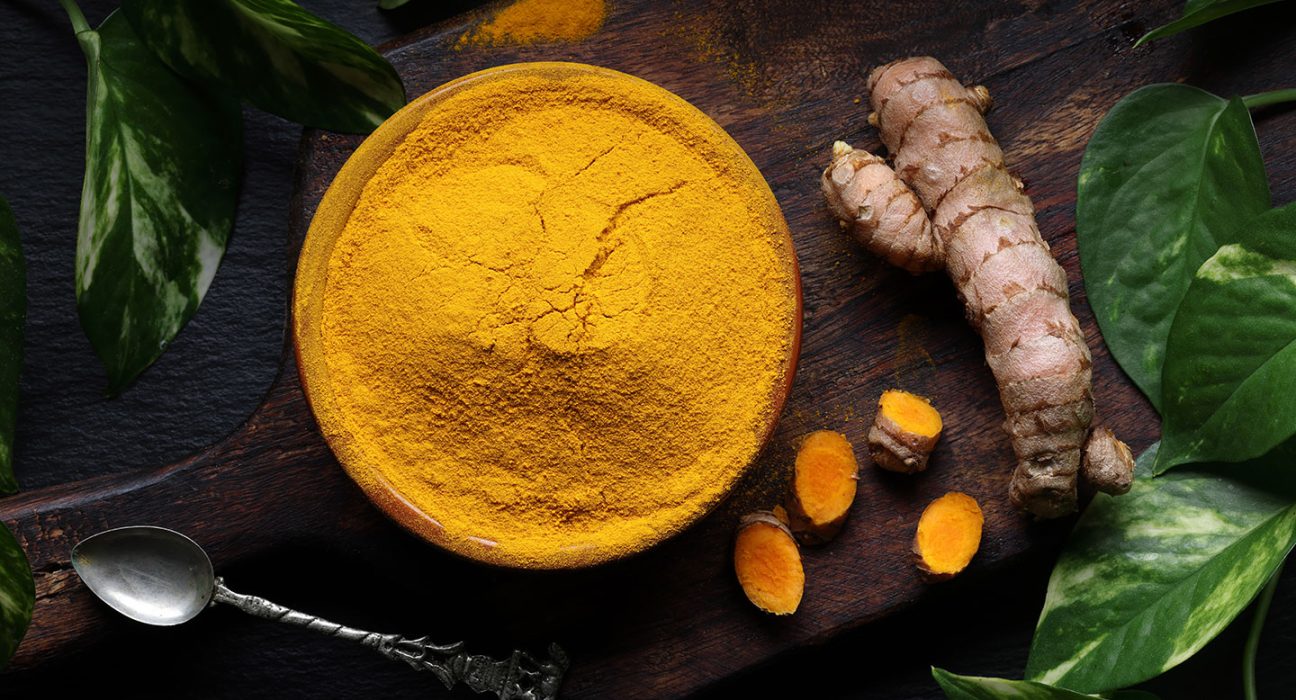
(79, 23)
(1265, 99)
(1253, 639)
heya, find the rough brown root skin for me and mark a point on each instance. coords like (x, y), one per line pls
(768, 563)
(823, 487)
(1108, 463)
(881, 211)
(948, 536)
(1015, 293)
(1046, 488)
(904, 432)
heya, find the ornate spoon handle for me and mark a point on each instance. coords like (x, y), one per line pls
(520, 677)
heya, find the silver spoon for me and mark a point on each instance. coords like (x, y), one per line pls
(160, 577)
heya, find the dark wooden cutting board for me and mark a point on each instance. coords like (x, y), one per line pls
(785, 78)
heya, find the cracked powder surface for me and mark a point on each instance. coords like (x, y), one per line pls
(557, 316)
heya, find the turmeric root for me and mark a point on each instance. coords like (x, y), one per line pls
(1015, 293)
(768, 563)
(904, 433)
(823, 486)
(949, 534)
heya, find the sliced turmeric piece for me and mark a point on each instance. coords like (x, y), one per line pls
(949, 534)
(904, 433)
(768, 563)
(823, 486)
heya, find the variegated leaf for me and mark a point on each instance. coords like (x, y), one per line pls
(278, 56)
(13, 312)
(1148, 578)
(17, 594)
(163, 160)
(1199, 12)
(1166, 178)
(958, 687)
(1229, 383)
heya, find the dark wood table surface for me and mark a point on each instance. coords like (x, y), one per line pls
(218, 369)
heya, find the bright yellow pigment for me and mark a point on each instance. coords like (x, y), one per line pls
(556, 319)
(531, 21)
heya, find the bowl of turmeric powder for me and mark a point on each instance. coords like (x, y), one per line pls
(547, 315)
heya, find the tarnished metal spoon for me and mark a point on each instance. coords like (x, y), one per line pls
(160, 577)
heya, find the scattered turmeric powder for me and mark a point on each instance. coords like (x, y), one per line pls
(949, 535)
(768, 563)
(555, 320)
(904, 433)
(823, 486)
(531, 21)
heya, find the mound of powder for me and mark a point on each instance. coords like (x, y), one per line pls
(557, 317)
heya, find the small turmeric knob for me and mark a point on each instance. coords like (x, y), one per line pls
(1108, 463)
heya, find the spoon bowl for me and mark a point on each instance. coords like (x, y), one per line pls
(149, 574)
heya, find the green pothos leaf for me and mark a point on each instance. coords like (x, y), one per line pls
(958, 687)
(162, 168)
(1230, 373)
(391, 4)
(1199, 12)
(13, 312)
(1167, 178)
(17, 594)
(17, 590)
(1148, 578)
(278, 56)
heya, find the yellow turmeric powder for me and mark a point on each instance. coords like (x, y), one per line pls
(530, 21)
(555, 321)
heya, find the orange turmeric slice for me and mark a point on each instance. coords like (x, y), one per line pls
(823, 486)
(904, 433)
(949, 534)
(768, 564)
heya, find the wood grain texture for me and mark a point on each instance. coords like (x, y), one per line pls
(785, 78)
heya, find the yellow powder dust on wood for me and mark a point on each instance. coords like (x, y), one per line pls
(531, 21)
(557, 317)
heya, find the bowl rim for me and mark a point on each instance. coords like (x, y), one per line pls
(310, 280)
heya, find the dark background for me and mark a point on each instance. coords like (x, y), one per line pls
(215, 372)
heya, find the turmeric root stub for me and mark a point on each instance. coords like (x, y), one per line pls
(904, 433)
(554, 322)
